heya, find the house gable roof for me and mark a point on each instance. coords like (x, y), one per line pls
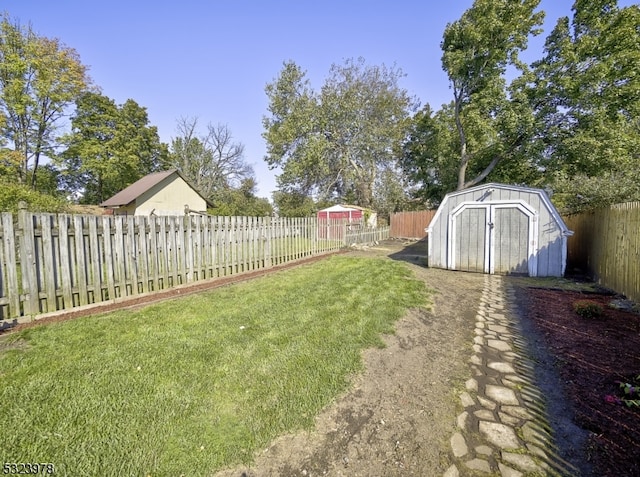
(129, 194)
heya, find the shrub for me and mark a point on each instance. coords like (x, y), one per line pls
(12, 194)
(631, 392)
(588, 309)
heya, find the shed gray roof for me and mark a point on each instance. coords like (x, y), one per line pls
(135, 190)
(494, 185)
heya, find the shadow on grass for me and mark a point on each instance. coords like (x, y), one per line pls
(413, 252)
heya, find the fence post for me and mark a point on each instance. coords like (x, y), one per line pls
(28, 260)
(345, 227)
(269, 229)
(11, 270)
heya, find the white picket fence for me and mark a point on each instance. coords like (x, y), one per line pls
(51, 262)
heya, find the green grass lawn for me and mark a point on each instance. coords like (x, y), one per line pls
(188, 386)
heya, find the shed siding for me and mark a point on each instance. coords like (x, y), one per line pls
(170, 199)
(511, 235)
(437, 241)
(129, 209)
(471, 240)
(511, 253)
(550, 245)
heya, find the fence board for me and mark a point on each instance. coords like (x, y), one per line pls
(235, 248)
(410, 224)
(215, 246)
(606, 245)
(244, 243)
(4, 301)
(120, 258)
(172, 250)
(67, 261)
(163, 261)
(49, 271)
(28, 262)
(154, 272)
(7, 260)
(95, 279)
(80, 251)
(131, 256)
(108, 257)
(143, 256)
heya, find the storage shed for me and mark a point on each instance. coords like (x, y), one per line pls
(350, 213)
(337, 212)
(499, 228)
(335, 221)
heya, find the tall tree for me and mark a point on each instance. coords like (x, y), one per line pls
(492, 119)
(294, 204)
(213, 161)
(240, 201)
(39, 79)
(392, 191)
(332, 144)
(431, 154)
(587, 96)
(109, 148)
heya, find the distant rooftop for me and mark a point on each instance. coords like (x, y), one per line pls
(135, 190)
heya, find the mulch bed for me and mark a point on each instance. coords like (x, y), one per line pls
(593, 356)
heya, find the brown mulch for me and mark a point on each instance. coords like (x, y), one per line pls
(593, 356)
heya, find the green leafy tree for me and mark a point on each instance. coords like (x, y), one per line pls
(587, 96)
(492, 119)
(109, 148)
(213, 161)
(241, 201)
(294, 204)
(48, 180)
(40, 78)
(10, 163)
(333, 143)
(12, 193)
(431, 154)
(392, 192)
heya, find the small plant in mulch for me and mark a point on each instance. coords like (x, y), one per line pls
(628, 393)
(588, 309)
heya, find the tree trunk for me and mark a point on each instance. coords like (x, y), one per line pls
(464, 156)
(462, 169)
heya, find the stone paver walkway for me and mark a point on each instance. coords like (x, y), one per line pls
(503, 429)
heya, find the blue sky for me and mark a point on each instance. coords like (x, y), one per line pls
(213, 59)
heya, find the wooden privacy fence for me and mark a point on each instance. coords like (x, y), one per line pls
(411, 224)
(57, 262)
(606, 245)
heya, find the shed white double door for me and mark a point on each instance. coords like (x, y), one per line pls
(493, 237)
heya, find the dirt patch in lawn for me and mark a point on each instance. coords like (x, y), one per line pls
(399, 415)
(592, 357)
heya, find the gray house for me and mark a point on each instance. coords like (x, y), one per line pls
(499, 228)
